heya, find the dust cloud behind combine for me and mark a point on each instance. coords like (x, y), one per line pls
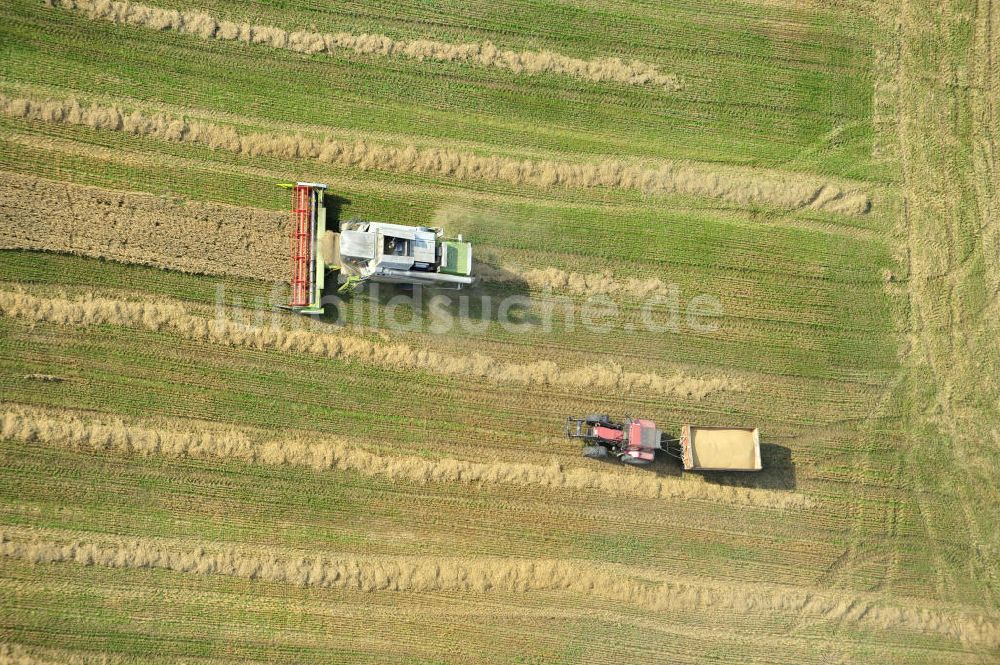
(485, 54)
(113, 435)
(475, 222)
(370, 574)
(742, 188)
(174, 318)
(579, 284)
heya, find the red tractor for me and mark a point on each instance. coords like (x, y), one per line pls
(699, 447)
(633, 442)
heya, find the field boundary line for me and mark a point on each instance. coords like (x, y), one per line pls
(951, 239)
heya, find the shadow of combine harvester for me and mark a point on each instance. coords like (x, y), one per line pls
(475, 307)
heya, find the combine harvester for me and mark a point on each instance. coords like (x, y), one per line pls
(699, 448)
(363, 251)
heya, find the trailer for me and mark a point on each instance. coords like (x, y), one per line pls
(636, 441)
(720, 448)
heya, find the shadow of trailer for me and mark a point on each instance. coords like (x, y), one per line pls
(778, 473)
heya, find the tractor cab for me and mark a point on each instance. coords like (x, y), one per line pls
(641, 443)
(633, 442)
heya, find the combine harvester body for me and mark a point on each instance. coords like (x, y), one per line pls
(636, 441)
(363, 251)
(397, 254)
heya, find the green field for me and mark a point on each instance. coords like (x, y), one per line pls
(864, 347)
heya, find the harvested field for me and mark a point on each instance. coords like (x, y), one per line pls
(779, 215)
(415, 574)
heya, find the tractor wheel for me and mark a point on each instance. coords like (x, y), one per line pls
(595, 452)
(632, 461)
(597, 419)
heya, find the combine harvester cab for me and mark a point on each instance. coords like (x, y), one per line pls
(362, 251)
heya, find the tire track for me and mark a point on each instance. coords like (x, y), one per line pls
(951, 239)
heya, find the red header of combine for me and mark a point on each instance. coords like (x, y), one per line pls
(301, 244)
